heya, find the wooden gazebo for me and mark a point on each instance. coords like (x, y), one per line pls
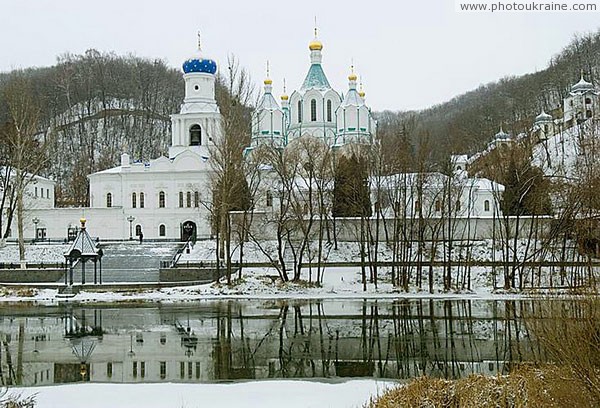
(82, 250)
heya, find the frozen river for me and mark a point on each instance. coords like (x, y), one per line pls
(211, 341)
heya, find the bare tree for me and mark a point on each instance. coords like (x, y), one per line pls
(229, 184)
(25, 148)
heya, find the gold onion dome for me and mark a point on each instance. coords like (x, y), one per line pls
(352, 77)
(361, 94)
(268, 81)
(315, 45)
(284, 97)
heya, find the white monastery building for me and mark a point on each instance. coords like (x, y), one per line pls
(168, 197)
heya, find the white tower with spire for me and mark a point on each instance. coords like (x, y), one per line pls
(355, 123)
(268, 121)
(198, 124)
(581, 103)
(543, 126)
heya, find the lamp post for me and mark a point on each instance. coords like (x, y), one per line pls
(35, 220)
(131, 218)
(131, 353)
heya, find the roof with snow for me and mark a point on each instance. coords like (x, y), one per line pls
(187, 160)
(352, 98)
(83, 246)
(315, 79)
(543, 117)
(502, 135)
(267, 102)
(582, 86)
(4, 172)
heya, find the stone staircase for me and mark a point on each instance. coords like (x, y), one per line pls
(130, 262)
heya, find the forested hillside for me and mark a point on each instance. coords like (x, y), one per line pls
(467, 122)
(97, 105)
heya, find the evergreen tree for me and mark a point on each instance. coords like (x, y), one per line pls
(351, 188)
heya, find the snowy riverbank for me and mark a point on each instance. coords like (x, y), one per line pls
(266, 394)
(475, 282)
(257, 283)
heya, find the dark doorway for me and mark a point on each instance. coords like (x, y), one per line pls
(188, 230)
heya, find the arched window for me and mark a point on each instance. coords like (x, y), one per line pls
(457, 205)
(588, 114)
(438, 205)
(181, 199)
(133, 200)
(108, 199)
(138, 230)
(588, 101)
(329, 110)
(161, 199)
(141, 200)
(195, 135)
(313, 110)
(299, 111)
(188, 200)
(196, 199)
(486, 205)
(269, 199)
(162, 230)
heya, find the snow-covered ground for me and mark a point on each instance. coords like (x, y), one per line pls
(264, 394)
(47, 253)
(264, 283)
(261, 283)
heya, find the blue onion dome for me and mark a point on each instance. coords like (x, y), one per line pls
(199, 64)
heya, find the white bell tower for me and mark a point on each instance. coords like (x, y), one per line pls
(198, 124)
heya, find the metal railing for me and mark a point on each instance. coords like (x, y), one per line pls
(172, 263)
(33, 265)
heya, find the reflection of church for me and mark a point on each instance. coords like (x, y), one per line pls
(249, 340)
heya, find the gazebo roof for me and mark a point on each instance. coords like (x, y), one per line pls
(83, 246)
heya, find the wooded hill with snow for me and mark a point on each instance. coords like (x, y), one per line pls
(99, 105)
(468, 122)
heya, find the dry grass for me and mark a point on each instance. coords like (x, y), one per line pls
(568, 332)
(19, 292)
(525, 387)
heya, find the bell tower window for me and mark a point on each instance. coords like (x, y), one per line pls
(329, 110)
(195, 135)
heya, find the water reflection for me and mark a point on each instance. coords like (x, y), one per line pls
(230, 340)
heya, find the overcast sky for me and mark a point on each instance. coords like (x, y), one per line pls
(410, 54)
